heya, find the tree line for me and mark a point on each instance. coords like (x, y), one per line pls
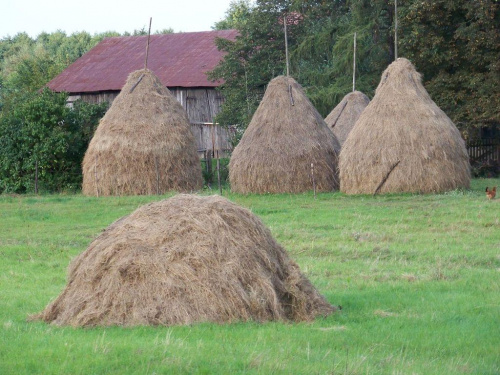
(455, 44)
(42, 140)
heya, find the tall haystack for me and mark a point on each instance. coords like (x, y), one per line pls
(403, 142)
(342, 118)
(286, 135)
(185, 260)
(143, 144)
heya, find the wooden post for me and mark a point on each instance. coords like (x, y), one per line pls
(157, 177)
(286, 48)
(313, 180)
(395, 29)
(385, 177)
(354, 66)
(287, 64)
(147, 45)
(340, 114)
(218, 172)
(208, 165)
(95, 177)
(36, 176)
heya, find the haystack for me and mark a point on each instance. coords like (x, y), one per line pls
(342, 118)
(286, 135)
(143, 144)
(184, 260)
(403, 142)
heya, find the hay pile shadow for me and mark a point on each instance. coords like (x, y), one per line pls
(143, 144)
(342, 118)
(184, 260)
(403, 142)
(280, 143)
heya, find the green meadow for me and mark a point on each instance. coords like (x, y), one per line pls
(417, 276)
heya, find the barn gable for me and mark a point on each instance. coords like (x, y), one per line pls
(180, 61)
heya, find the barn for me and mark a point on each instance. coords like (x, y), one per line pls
(180, 61)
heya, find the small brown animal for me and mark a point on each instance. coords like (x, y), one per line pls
(490, 194)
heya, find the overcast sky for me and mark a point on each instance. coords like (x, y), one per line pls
(96, 16)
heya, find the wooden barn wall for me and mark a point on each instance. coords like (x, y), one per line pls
(201, 105)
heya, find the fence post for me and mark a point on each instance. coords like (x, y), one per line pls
(36, 176)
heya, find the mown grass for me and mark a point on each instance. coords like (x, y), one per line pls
(418, 277)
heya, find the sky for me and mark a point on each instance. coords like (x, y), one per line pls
(97, 16)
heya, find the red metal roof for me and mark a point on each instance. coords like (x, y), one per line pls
(179, 60)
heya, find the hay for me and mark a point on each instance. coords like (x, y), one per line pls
(143, 144)
(342, 118)
(280, 143)
(184, 260)
(403, 142)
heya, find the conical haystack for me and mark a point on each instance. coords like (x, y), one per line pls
(342, 118)
(280, 144)
(184, 260)
(143, 144)
(403, 142)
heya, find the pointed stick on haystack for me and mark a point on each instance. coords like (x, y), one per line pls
(287, 62)
(147, 45)
(395, 29)
(354, 66)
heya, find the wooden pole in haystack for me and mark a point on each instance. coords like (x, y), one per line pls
(287, 63)
(147, 45)
(354, 67)
(395, 29)
(286, 48)
(145, 59)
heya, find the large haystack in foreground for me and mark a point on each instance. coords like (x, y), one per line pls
(143, 144)
(403, 142)
(342, 118)
(184, 260)
(280, 143)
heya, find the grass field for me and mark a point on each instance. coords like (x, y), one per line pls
(418, 277)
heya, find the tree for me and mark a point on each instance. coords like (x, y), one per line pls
(456, 45)
(42, 136)
(236, 17)
(257, 55)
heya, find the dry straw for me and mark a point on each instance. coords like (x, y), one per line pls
(403, 142)
(185, 260)
(143, 144)
(286, 135)
(342, 118)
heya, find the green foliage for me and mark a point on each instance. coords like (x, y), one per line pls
(237, 15)
(456, 45)
(40, 137)
(38, 132)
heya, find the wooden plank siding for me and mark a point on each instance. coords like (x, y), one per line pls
(201, 105)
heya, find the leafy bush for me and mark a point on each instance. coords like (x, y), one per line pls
(42, 138)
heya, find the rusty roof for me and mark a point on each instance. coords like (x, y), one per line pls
(179, 60)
